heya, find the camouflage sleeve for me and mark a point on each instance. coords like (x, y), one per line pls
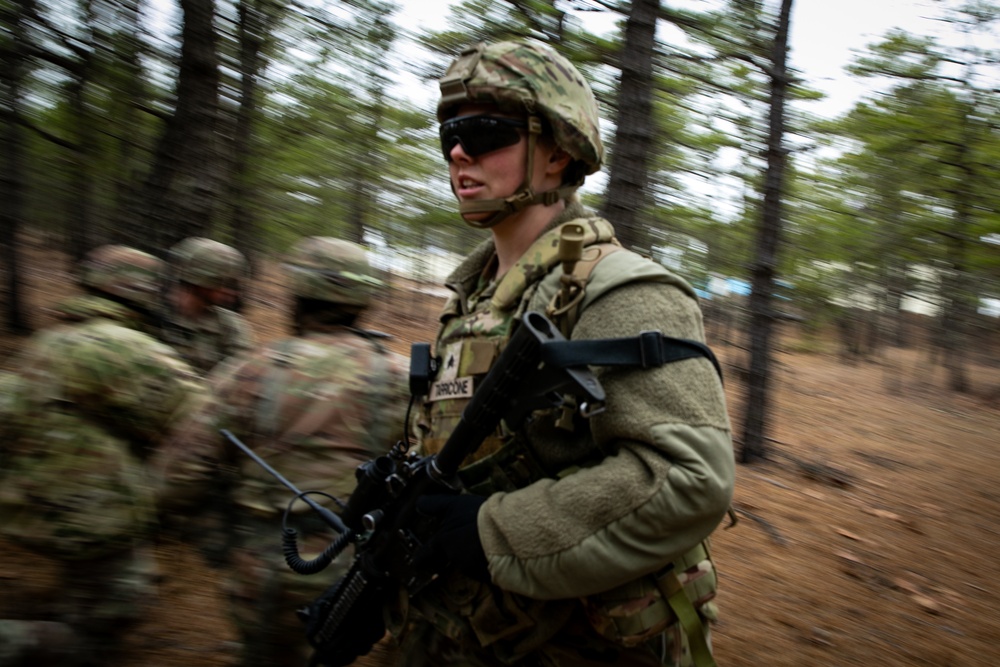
(367, 389)
(115, 374)
(192, 454)
(665, 488)
(325, 398)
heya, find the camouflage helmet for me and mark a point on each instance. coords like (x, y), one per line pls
(329, 269)
(207, 263)
(130, 275)
(527, 78)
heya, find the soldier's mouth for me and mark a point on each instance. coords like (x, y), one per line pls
(468, 186)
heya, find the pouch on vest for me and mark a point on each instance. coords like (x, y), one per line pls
(510, 625)
(637, 611)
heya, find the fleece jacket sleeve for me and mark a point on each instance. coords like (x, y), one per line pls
(664, 487)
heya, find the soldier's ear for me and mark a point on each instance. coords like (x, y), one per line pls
(558, 161)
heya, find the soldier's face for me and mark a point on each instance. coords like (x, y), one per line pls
(224, 296)
(496, 173)
(186, 301)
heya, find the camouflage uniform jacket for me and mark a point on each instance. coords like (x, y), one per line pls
(627, 492)
(211, 339)
(314, 407)
(93, 397)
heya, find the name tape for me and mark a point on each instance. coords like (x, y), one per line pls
(454, 388)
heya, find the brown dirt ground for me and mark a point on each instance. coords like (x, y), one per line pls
(870, 537)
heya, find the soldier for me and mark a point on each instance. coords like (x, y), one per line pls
(315, 405)
(583, 542)
(88, 401)
(206, 286)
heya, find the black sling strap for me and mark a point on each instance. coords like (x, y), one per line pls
(649, 349)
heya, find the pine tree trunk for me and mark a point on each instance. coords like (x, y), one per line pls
(184, 184)
(127, 224)
(253, 26)
(626, 194)
(762, 318)
(80, 209)
(958, 293)
(12, 167)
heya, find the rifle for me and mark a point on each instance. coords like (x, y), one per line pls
(380, 517)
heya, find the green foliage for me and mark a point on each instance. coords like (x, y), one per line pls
(900, 55)
(334, 147)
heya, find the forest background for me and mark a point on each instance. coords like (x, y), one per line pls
(258, 121)
(868, 522)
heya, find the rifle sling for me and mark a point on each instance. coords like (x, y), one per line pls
(650, 349)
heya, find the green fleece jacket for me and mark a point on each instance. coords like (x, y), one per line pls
(667, 480)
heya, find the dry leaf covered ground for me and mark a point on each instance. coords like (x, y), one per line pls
(870, 537)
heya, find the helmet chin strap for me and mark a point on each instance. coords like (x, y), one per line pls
(523, 197)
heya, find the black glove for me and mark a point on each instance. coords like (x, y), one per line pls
(456, 542)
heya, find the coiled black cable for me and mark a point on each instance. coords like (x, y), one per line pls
(290, 547)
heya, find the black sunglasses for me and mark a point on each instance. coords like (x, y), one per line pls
(479, 135)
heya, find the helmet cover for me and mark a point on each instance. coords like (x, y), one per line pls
(123, 272)
(207, 263)
(525, 78)
(333, 270)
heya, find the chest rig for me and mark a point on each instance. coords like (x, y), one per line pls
(475, 329)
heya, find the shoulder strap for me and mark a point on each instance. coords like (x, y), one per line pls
(649, 349)
(564, 308)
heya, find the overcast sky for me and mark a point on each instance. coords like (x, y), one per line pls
(824, 35)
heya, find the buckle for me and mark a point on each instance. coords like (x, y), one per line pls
(650, 349)
(453, 83)
(519, 199)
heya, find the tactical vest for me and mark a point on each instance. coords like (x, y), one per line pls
(472, 335)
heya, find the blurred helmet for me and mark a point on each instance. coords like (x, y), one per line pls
(525, 79)
(329, 269)
(130, 275)
(207, 263)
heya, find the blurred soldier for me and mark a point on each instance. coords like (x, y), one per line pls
(579, 542)
(207, 284)
(89, 399)
(315, 405)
